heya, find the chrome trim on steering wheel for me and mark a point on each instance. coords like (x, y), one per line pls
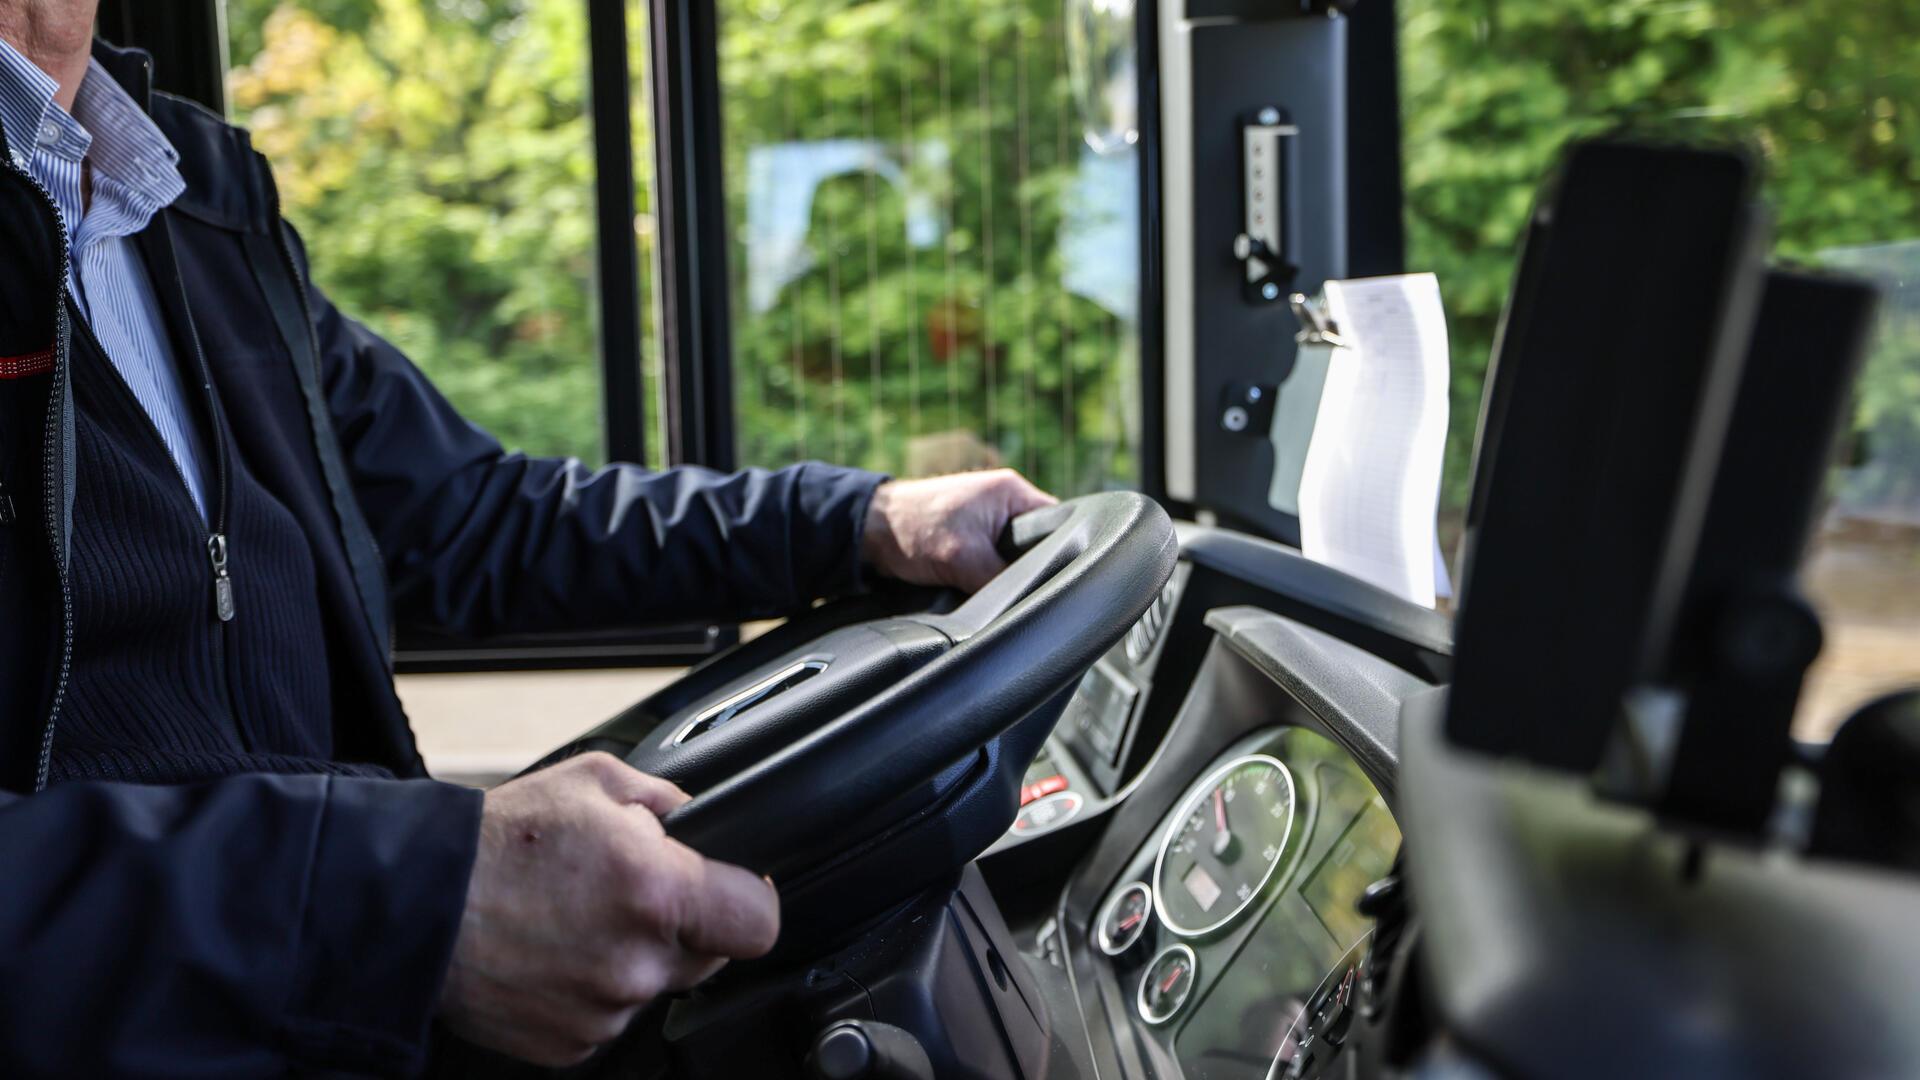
(718, 714)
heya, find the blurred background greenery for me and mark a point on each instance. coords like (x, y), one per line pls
(437, 158)
(1829, 93)
(909, 195)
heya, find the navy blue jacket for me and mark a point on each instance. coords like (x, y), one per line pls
(253, 922)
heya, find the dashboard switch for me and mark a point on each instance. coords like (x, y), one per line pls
(1042, 788)
(867, 1050)
(1047, 814)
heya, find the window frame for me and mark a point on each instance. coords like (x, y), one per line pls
(188, 40)
(690, 211)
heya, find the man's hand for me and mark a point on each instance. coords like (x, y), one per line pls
(942, 531)
(582, 910)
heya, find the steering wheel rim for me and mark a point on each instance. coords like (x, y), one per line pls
(1088, 568)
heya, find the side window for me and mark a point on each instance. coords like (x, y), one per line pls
(1830, 97)
(438, 158)
(935, 241)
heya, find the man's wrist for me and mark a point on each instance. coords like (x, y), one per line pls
(879, 544)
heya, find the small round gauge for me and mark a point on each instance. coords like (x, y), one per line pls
(1223, 845)
(1168, 982)
(1124, 919)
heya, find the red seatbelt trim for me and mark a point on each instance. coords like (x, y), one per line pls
(26, 364)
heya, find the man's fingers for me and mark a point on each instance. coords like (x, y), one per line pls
(629, 785)
(979, 565)
(979, 560)
(738, 914)
(657, 795)
(1026, 497)
(692, 970)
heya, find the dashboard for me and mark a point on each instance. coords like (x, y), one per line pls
(1233, 768)
(1239, 911)
(1118, 721)
(1197, 882)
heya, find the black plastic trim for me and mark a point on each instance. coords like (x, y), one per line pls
(188, 40)
(690, 204)
(617, 256)
(1152, 329)
(1355, 695)
(1371, 613)
(1376, 189)
(666, 647)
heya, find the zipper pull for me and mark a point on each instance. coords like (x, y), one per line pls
(222, 584)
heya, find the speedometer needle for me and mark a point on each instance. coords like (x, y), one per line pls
(1222, 836)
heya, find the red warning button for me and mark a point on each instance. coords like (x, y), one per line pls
(1040, 789)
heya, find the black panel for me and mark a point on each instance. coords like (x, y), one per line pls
(187, 40)
(1298, 65)
(1745, 635)
(1376, 225)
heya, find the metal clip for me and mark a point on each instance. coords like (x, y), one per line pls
(1315, 327)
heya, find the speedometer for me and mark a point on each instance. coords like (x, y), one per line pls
(1223, 845)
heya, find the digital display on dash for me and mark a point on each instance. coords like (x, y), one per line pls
(1205, 890)
(1361, 855)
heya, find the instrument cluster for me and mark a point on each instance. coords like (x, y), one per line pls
(1233, 932)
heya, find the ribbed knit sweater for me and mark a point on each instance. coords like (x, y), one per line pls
(162, 691)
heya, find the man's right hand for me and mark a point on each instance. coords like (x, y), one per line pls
(582, 910)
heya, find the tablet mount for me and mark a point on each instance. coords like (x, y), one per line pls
(1660, 414)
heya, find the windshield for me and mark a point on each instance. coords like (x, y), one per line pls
(1829, 94)
(934, 213)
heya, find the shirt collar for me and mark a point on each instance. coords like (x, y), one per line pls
(127, 149)
(26, 93)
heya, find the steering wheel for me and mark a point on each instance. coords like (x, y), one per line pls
(789, 754)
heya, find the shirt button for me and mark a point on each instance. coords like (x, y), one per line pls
(49, 133)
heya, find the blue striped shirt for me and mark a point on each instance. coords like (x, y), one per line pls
(135, 174)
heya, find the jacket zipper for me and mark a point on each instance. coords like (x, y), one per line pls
(217, 536)
(218, 547)
(216, 544)
(218, 550)
(54, 503)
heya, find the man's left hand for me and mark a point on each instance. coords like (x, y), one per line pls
(944, 530)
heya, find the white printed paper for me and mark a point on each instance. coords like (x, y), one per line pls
(1370, 484)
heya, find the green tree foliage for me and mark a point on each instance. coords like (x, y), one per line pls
(438, 160)
(437, 155)
(1828, 94)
